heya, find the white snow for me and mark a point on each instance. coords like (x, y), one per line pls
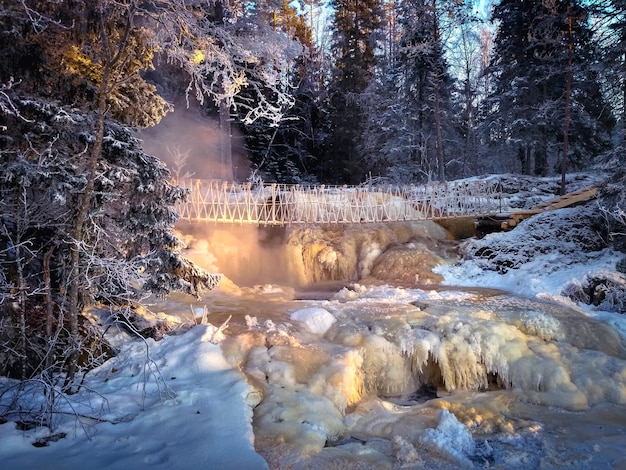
(183, 406)
(329, 383)
(317, 320)
(450, 437)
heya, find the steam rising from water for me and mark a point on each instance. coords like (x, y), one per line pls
(298, 256)
(246, 254)
(189, 143)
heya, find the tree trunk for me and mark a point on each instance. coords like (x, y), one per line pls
(624, 104)
(523, 153)
(568, 97)
(109, 66)
(469, 152)
(541, 157)
(75, 281)
(440, 157)
(226, 152)
(21, 347)
(439, 150)
(49, 310)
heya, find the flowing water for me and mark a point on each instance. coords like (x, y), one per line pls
(393, 374)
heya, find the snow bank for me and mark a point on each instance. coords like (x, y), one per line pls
(556, 254)
(156, 403)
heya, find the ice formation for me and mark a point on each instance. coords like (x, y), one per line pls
(405, 252)
(450, 437)
(397, 377)
(355, 368)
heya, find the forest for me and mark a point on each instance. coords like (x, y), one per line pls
(345, 92)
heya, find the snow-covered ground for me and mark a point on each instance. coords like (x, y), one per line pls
(374, 376)
(178, 405)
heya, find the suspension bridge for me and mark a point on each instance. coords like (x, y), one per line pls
(281, 204)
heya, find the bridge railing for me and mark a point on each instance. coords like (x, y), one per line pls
(280, 204)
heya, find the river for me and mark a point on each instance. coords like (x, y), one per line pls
(378, 366)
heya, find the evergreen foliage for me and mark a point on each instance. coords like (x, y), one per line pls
(86, 215)
(357, 26)
(527, 106)
(128, 249)
(414, 127)
(610, 34)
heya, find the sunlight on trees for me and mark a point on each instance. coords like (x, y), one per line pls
(406, 91)
(112, 238)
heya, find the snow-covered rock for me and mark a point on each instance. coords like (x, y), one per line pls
(317, 320)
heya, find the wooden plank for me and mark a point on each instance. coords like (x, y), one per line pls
(569, 199)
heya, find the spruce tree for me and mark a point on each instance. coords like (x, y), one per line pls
(412, 123)
(528, 105)
(356, 26)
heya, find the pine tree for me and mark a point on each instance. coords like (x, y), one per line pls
(413, 120)
(356, 29)
(528, 104)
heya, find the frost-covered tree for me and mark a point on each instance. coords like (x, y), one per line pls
(127, 249)
(314, 11)
(261, 47)
(355, 35)
(531, 63)
(284, 150)
(466, 51)
(117, 204)
(412, 124)
(610, 33)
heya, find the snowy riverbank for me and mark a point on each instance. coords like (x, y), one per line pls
(378, 376)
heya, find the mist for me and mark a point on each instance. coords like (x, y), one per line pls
(188, 141)
(248, 255)
(304, 256)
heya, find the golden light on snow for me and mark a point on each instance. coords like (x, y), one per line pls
(198, 57)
